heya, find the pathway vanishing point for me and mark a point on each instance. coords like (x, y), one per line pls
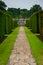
(21, 53)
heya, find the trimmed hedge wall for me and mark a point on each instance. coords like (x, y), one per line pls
(2, 24)
(35, 22)
(6, 23)
(41, 22)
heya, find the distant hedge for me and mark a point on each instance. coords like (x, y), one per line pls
(14, 23)
(27, 22)
(36, 22)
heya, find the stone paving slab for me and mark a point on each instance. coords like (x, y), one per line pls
(21, 53)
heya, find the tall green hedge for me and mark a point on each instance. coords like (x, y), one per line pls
(41, 22)
(34, 19)
(8, 24)
(2, 24)
(35, 22)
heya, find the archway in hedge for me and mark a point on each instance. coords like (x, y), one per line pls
(21, 22)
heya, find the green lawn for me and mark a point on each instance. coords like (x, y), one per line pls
(36, 46)
(7, 46)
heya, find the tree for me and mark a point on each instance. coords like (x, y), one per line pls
(2, 5)
(18, 12)
(24, 13)
(13, 11)
(35, 8)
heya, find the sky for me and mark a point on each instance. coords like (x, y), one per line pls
(26, 4)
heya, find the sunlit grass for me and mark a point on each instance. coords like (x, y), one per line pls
(36, 46)
(7, 46)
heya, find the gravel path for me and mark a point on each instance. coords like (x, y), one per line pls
(21, 53)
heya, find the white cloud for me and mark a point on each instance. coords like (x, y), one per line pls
(23, 3)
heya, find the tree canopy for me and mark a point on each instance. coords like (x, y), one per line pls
(35, 8)
(2, 5)
(17, 12)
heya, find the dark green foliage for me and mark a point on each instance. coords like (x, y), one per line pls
(24, 13)
(2, 6)
(34, 23)
(27, 23)
(14, 23)
(15, 12)
(41, 22)
(8, 24)
(2, 24)
(37, 22)
(38, 27)
(34, 19)
(35, 8)
(30, 23)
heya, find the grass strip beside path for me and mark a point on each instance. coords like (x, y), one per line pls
(7, 46)
(36, 46)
